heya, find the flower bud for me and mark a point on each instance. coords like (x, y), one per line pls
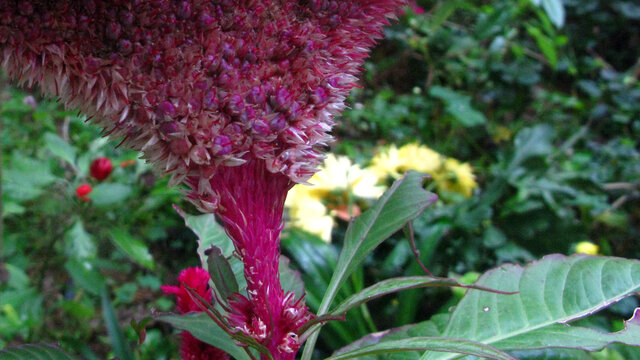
(101, 168)
(83, 191)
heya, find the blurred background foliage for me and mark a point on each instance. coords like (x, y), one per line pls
(526, 113)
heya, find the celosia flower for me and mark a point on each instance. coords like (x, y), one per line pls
(83, 192)
(236, 98)
(197, 279)
(101, 168)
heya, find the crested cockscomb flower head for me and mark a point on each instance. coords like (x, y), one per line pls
(234, 97)
(197, 279)
(199, 85)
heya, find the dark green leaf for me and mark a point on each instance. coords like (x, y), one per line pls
(118, 341)
(85, 275)
(34, 352)
(221, 273)
(545, 44)
(531, 142)
(459, 106)
(110, 193)
(203, 328)
(133, 248)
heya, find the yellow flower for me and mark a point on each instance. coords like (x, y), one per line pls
(455, 177)
(586, 247)
(394, 162)
(386, 162)
(337, 176)
(449, 173)
(419, 158)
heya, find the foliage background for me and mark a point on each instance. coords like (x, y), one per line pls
(541, 97)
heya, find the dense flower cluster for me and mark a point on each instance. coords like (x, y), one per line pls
(233, 97)
(201, 84)
(197, 279)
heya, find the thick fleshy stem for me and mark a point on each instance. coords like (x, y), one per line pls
(251, 201)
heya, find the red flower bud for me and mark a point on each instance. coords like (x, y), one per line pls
(83, 190)
(101, 168)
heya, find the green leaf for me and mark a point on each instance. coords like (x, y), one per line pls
(290, 280)
(85, 275)
(390, 286)
(203, 328)
(545, 44)
(459, 106)
(60, 148)
(25, 178)
(78, 243)
(552, 292)
(531, 142)
(110, 193)
(403, 202)
(209, 233)
(561, 336)
(118, 342)
(34, 352)
(459, 346)
(555, 11)
(133, 248)
(221, 273)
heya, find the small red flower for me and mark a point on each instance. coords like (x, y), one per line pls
(101, 168)
(82, 191)
(198, 280)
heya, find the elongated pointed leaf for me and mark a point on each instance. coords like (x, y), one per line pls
(390, 286)
(118, 341)
(458, 346)
(34, 352)
(403, 202)
(221, 273)
(203, 328)
(135, 249)
(552, 292)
